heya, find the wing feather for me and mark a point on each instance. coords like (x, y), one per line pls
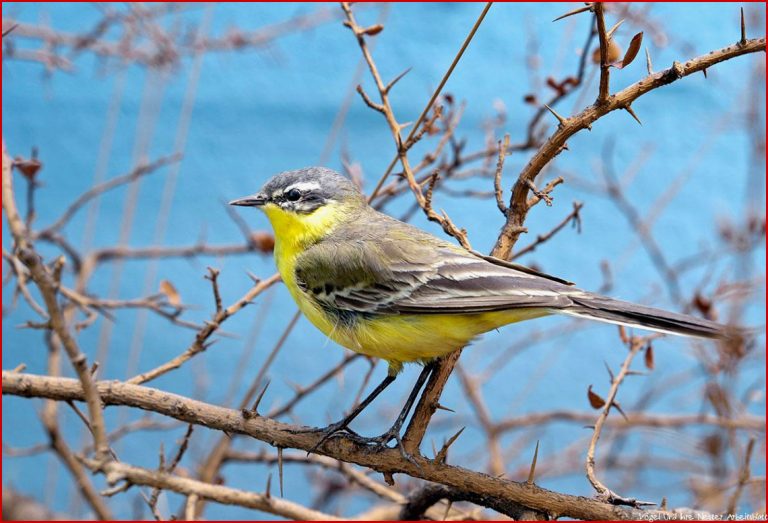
(414, 276)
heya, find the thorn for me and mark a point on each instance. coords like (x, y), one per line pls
(743, 40)
(389, 479)
(564, 147)
(7, 31)
(20, 367)
(532, 472)
(397, 78)
(648, 64)
(705, 72)
(443, 407)
(94, 368)
(267, 492)
(663, 503)
(35, 325)
(574, 12)
(280, 468)
(370, 103)
(621, 411)
(612, 30)
(443, 454)
(255, 408)
(631, 111)
(560, 119)
(448, 507)
(256, 280)
(677, 69)
(405, 125)
(636, 373)
(610, 372)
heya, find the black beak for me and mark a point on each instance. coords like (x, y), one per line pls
(254, 200)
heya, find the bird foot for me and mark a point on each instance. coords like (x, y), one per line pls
(381, 443)
(375, 444)
(331, 431)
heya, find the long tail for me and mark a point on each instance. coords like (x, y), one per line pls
(602, 308)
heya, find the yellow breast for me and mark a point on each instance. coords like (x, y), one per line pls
(293, 233)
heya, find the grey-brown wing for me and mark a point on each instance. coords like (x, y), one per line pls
(414, 276)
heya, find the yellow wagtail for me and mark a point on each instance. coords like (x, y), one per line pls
(384, 288)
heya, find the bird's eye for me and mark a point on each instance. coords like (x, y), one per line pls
(293, 195)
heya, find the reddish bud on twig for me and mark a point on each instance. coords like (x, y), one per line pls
(372, 30)
(649, 363)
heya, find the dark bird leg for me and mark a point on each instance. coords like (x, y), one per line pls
(339, 426)
(394, 431)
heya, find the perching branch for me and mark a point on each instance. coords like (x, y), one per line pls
(290, 436)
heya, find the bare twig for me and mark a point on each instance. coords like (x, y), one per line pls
(199, 344)
(573, 217)
(635, 344)
(605, 69)
(48, 289)
(434, 96)
(497, 190)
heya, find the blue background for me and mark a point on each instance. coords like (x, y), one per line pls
(258, 112)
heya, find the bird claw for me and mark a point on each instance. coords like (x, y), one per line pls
(331, 431)
(381, 443)
(615, 499)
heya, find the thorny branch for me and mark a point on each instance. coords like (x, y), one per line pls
(289, 436)
(556, 143)
(41, 275)
(425, 202)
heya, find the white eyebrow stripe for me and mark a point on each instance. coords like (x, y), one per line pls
(303, 186)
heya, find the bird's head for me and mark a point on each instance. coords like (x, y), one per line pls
(307, 203)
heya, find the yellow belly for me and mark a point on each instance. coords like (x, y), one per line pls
(421, 337)
(402, 338)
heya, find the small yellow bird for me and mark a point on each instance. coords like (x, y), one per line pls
(384, 288)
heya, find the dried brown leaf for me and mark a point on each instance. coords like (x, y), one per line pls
(633, 49)
(649, 363)
(28, 168)
(594, 399)
(169, 291)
